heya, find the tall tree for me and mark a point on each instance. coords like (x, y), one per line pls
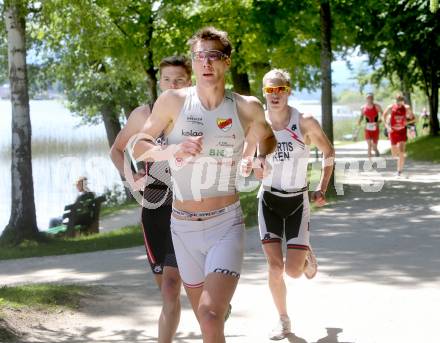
(326, 70)
(402, 37)
(326, 75)
(22, 223)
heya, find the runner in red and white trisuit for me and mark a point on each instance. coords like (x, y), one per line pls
(401, 115)
(372, 113)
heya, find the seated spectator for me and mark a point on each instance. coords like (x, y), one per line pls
(84, 193)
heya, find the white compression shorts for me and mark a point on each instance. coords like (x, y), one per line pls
(214, 245)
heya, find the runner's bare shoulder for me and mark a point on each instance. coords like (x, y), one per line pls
(139, 115)
(248, 105)
(170, 102)
(308, 122)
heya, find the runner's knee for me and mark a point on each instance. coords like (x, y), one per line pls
(295, 270)
(211, 320)
(295, 266)
(170, 289)
(276, 268)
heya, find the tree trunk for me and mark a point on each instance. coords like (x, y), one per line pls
(22, 222)
(112, 128)
(433, 108)
(111, 122)
(240, 81)
(149, 68)
(259, 69)
(151, 72)
(405, 89)
(431, 87)
(326, 71)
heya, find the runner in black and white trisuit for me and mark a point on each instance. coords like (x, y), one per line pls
(175, 72)
(283, 198)
(208, 126)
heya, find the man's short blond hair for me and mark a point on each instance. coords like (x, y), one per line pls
(278, 74)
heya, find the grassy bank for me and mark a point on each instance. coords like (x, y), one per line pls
(42, 296)
(424, 149)
(123, 238)
(22, 303)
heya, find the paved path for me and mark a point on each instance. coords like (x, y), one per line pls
(130, 216)
(378, 282)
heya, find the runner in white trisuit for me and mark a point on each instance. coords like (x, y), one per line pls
(208, 126)
(283, 198)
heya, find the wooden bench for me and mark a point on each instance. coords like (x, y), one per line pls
(81, 217)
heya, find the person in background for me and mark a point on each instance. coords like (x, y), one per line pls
(84, 193)
(175, 73)
(396, 117)
(424, 116)
(372, 113)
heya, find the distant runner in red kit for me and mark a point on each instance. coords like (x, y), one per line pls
(372, 113)
(396, 117)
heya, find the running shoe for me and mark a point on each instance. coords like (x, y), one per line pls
(377, 153)
(281, 329)
(228, 312)
(311, 267)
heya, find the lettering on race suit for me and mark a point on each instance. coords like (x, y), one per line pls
(371, 126)
(192, 133)
(221, 152)
(194, 119)
(283, 151)
(226, 272)
(157, 268)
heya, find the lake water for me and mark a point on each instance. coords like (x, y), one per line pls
(62, 151)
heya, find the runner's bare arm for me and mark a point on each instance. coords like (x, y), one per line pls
(379, 112)
(361, 116)
(164, 110)
(258, 131)
(135, 121)
(385, 115)
(316, 136)
(411, 119)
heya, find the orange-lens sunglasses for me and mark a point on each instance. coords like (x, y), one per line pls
(279, 89)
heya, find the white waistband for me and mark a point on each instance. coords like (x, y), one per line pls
(203, 214)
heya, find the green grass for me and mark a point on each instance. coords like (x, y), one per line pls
(346, 126)
(249, 204)
(123, 238)
(42, 296)
(425, 148)
(107, 210)
(342, 127)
